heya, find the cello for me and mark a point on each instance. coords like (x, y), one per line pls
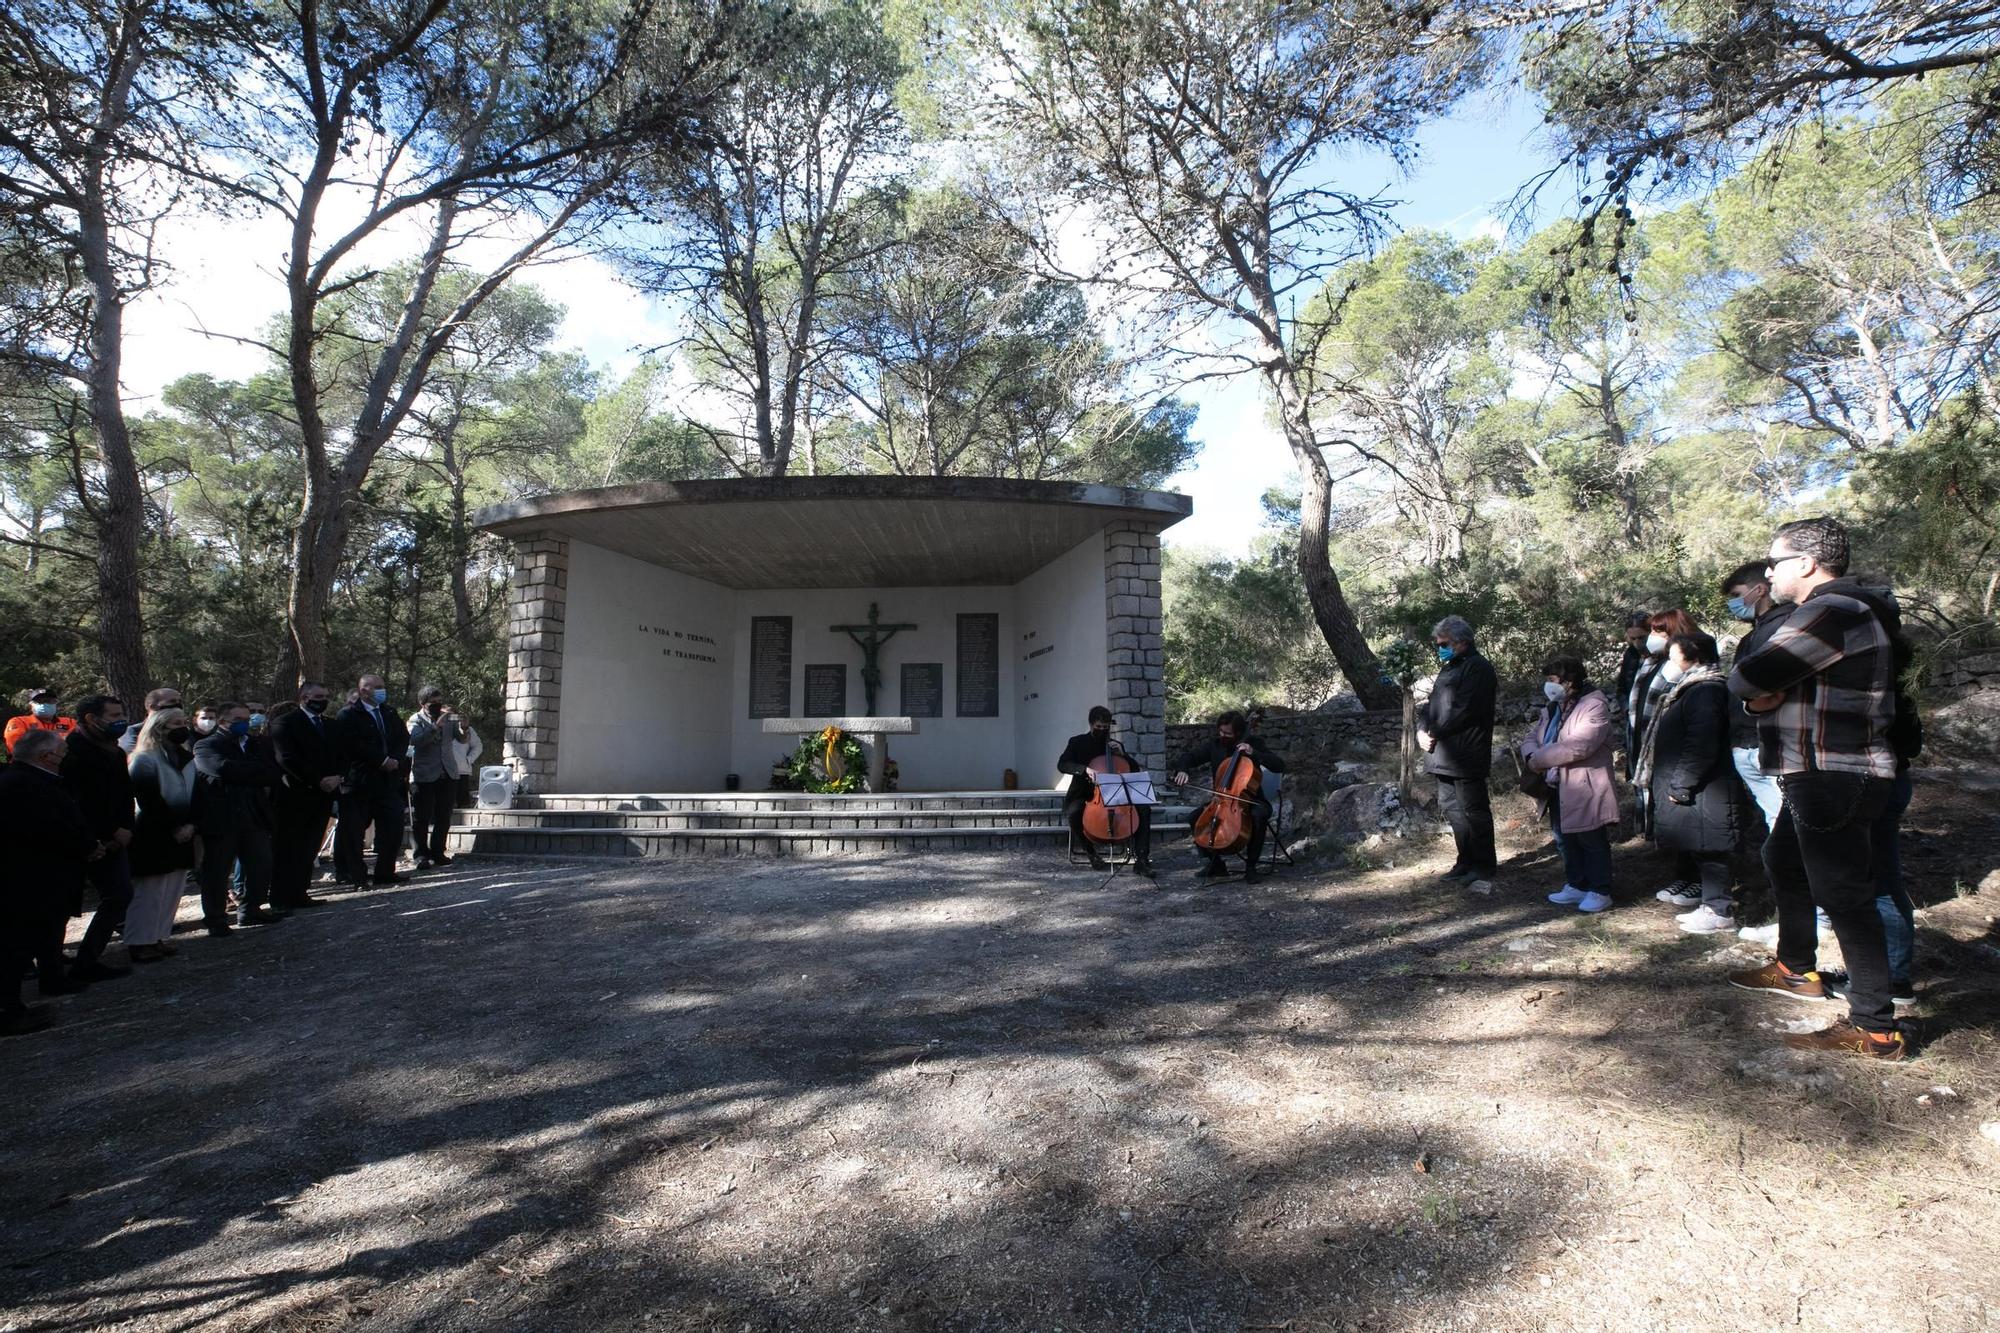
(1104, 824)
(1223, 826)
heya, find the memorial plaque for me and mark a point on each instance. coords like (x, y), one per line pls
(923, 690)
(770, 666)
(826, 689)
(979, 664)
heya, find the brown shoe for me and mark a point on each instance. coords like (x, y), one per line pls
(1775, 977)
(1844, 1036)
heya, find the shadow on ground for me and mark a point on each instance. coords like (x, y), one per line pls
(935, 1093)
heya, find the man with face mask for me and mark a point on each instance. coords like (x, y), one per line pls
(374, 745)
(1232, 737)
(1748, 590)
(94, 772)
(1075, 761)
(47, 847)
(44, 714)
(239, 775)
(1823, 689)
(307, 747)
(434, 729)
(1455, 730)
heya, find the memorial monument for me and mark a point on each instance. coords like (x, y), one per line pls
(665, 636)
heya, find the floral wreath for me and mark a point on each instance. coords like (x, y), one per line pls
(830, 761)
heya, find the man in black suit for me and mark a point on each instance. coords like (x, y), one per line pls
(47, 845)
(306, 744)
(94, 773)
(374, 746)
(240, 775)
(1075, 761)
(1232, 737)
(1455, 731)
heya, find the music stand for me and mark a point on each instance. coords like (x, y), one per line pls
(1125, 788)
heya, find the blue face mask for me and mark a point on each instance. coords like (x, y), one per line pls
(380, 697)
(1741, 609)
(240, 728)
(256, 721)
(1445, 653)
(115, 729)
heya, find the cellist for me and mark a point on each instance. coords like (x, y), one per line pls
(1231, 737)
(1075, 761)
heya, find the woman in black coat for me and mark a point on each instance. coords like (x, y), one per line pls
(1687, 771)
(164, 843)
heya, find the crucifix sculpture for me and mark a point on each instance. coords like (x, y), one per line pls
(871, 649)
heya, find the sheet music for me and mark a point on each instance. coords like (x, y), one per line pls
(1125, 788)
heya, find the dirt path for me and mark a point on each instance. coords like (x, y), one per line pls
(962, 1094)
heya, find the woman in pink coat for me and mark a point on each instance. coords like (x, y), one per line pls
(1571, 744)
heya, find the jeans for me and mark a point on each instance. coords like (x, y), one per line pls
(1711, 871)
(1586, 856)
(220, 854)
(1467, 805)
(111, 875)
(1899, 914)
(1762, 786)
(1821, 853)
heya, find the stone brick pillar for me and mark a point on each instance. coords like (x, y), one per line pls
(537, 595)
(1136, 660)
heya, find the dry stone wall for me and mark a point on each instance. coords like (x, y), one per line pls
(537, 596)
(1310, 743)
(1134, 642)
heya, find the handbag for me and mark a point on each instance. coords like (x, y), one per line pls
(1535, 786)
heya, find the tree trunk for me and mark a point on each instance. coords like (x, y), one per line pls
(121, 514)
(1406, 768)
(317, 544)
(1330, 609)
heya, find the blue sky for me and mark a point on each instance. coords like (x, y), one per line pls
(1470, 168)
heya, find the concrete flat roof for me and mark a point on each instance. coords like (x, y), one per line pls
(839, 532)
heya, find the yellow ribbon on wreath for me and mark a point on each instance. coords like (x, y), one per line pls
(831, 738)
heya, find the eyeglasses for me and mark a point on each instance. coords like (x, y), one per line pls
(1776, 560)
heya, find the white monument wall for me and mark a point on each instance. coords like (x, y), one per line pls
(647, 678)
(947, 753)
(1058, 653)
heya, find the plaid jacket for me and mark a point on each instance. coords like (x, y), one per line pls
(1831, 658)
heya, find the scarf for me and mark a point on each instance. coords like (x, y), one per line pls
(1642, 776)
(176, 781)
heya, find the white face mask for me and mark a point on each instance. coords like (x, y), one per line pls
(204, 725)
(1656, 643)
(1672, 672)
(1554, 691)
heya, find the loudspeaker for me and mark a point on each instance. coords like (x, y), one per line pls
(497, 787)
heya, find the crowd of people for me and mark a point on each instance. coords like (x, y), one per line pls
(1801, 746)
(1800, 749)
(229, 801)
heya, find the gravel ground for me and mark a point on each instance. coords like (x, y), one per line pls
(961, 1093)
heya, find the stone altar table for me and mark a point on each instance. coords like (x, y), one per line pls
(871, 732)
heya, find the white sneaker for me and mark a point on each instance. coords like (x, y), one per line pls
(1764, 935)
(1594, 902)
(1705, 920)
(1680, 893)
(1567, 895)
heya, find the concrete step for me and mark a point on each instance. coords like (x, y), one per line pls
(620, 841)
(776, 802)
(805, 820)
